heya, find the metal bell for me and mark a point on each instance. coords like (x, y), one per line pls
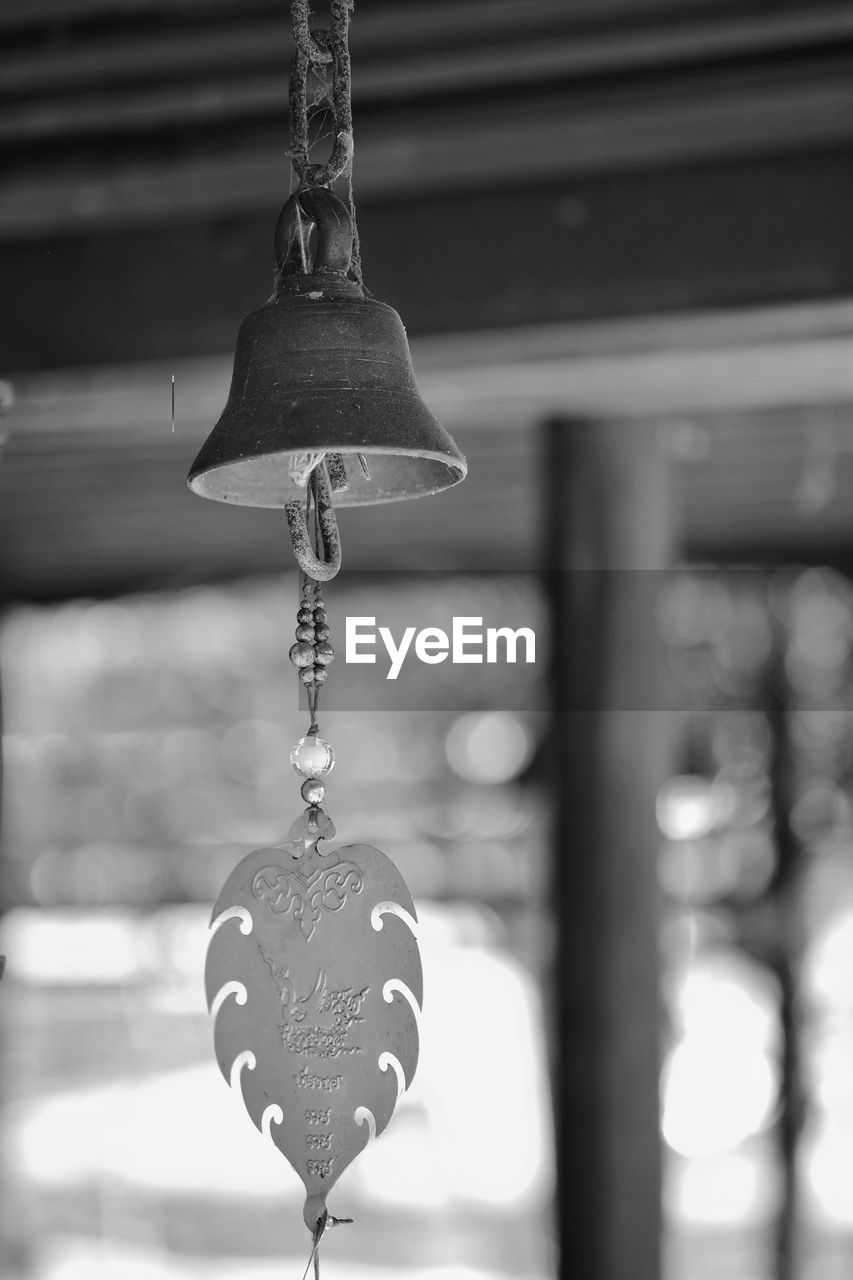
(322, 370)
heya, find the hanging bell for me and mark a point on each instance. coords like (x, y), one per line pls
(321, 371)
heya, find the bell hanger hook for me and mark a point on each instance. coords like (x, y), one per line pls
(306, 557)
(333, 249)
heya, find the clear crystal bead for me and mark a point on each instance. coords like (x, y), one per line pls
(312, 757)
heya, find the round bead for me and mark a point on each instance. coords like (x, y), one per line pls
(319, 602)
(324, 654)
(305, 632)
(320, 674)
(322, 632)
(302, 654)
(319, 616)
(312, 757)
(305, 614)
(313, 791)
(306, 675)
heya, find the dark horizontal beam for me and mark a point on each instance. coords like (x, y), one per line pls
(775, 230)
(187, 119)
(451, 16)
(423, 152)
(398, 49)
(775, 109)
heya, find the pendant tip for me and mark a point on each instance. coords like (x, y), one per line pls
(315, 1213)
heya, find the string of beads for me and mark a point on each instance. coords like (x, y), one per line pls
(311, 653)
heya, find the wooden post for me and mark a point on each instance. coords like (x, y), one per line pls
(608, 540)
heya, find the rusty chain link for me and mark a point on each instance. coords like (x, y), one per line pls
(325, 54)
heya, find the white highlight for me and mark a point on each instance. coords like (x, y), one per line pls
(113, 1133)
(720, 1078)
(715, 1097)
(730, 1189)
(448, 1145)
(234, 913)
(244, 1059)
(237, 989)
(387, 1060)
(394, 984)
(393, 909)
(273, 1114)
(363, 1115)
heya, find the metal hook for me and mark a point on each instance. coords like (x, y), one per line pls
(318, 570)
(334, 230)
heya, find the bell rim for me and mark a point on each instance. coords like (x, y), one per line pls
(455, 467)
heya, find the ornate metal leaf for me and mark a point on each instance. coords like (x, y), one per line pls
(311, 973)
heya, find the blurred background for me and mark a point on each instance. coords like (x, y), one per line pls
(618, 233)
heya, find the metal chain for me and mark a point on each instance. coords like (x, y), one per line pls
(325, 55)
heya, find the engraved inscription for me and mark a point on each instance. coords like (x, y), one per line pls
(307, 898)
(333, 1014)
(319, 1141)
(329, 1039)
(320, 1168)
(318, 1117)
(305, 1080)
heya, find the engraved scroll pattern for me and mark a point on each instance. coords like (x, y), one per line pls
(326, 890)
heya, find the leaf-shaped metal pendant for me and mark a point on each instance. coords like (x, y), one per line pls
(313, 974)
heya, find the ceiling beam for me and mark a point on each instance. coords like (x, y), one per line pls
(443, 150)
(187, 118)
(774, 231)
(417, 17)
(411, 51)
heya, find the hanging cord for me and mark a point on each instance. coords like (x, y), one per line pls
(314, 534)
(312, 692)
(314, 1255)
(324, 1224)
(325, 55)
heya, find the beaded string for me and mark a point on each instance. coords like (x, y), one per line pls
(311, 654)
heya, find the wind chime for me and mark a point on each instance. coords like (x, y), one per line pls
(313, 972)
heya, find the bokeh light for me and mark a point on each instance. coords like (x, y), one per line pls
(489, 747)
(720, 1078)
